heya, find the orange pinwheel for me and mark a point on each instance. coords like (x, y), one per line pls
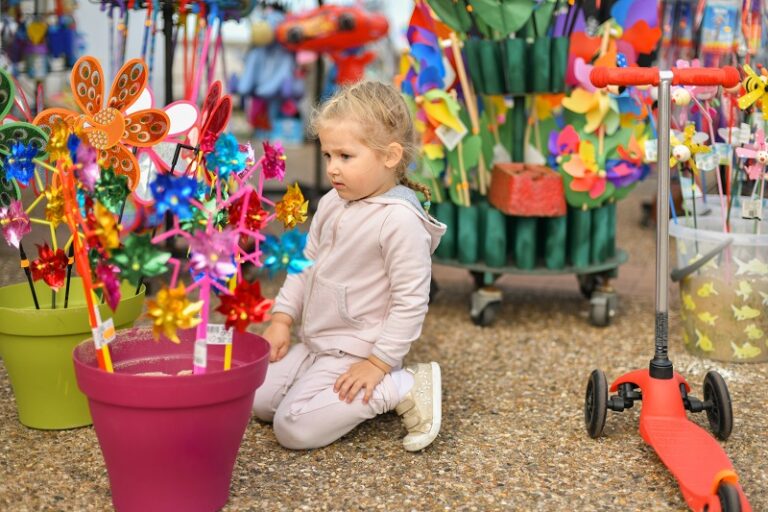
(106, 126)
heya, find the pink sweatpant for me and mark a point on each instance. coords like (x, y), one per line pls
(298, 397)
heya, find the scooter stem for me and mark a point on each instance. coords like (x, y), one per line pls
(661, 366)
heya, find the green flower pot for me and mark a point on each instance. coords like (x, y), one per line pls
(36, 346)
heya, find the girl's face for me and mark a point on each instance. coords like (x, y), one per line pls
(355, 170)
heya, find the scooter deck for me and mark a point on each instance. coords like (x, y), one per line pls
(692, 455)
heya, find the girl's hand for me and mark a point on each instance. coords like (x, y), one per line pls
(360, 375)
(278, 334)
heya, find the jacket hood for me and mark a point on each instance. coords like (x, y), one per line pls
(401, 194)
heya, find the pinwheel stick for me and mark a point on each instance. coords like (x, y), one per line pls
(25, 266)
(70, 260)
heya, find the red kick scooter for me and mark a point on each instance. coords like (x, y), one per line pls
(705, 474)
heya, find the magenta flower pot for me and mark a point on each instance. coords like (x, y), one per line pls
(170, 442)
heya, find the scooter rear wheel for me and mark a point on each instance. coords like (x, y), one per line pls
(730, 501)
(596, 403)
(720, 415)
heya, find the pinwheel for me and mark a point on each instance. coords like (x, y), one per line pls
(107, 125)
(758, 152)
(684, 151)
(757, 89)
(583, 168)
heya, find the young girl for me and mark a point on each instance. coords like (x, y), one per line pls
(363, 302)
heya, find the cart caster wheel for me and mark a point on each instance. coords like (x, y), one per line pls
(596, 403)
(720, 413)
(479, 279)
(730, 501)
(587, 284)
(602, 308)
(433, 289)
(487, 316)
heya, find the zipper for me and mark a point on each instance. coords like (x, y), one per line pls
(317, 269)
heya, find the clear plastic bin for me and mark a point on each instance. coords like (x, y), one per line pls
(724, 304)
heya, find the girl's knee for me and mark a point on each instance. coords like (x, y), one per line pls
(262, 409)
(294, 433)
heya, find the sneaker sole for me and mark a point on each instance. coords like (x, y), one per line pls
(422, 441)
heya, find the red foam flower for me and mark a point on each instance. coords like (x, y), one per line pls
(246, 305)
(50, 266)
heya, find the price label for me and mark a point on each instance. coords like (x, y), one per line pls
(707, 161)
(104, 333)
(651, 150)
(218, 335)
(752, 209)
(201, 354)
(724, 152)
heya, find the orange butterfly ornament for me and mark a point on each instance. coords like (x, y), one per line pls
(106, 126)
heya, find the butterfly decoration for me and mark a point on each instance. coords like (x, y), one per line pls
(756, 87)
(14, 132)
(685, 149)
(153, 160)
(758, 151)
(107, 125)
(213, 118)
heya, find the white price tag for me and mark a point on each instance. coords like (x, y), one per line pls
(104, 333)
(724, 152)
(450, 137)
(752, 209)
(218, 335)
(706, 161)
(745, 134)
(201, 354)
(651, 150)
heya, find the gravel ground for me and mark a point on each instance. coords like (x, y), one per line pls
(512, 435)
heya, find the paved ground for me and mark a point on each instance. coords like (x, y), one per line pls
(512, 437)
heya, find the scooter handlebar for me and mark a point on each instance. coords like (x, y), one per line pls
(602, 77)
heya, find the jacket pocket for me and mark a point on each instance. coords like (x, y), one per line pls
(327, 311)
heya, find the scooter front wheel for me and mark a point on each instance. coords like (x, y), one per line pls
(730, 501)
(720, 413)
(596, 403)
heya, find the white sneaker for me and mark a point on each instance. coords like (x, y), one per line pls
(421, 408)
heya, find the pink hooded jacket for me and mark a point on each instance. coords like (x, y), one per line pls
(368, 290)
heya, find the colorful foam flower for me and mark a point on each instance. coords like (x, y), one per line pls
(622, 173)
(173, 194)
(244, 306)
(172, 310)
(54, 206)
(111, 189)
(139, 258)
(14, 222)
(106, 125)
(253, 219)
(211, 252)
(285, 253)
(564, 142)
(583, 168)
(19, 164)
(273, 164)
(598, 108)
(50, 266)
(292, 209)
(108, 275)
(226, 157)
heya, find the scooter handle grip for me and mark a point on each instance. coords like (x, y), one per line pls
(602, 77)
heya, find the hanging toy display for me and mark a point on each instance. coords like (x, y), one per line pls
(338, 31)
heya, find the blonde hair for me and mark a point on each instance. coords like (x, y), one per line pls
(381, 110)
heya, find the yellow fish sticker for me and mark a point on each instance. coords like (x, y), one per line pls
(746, 351)
(753, 266)
(707, 289)
(688, 302)
(745, 312)
(754, 332)
(708, 318)
(744, 291)
(703, 342)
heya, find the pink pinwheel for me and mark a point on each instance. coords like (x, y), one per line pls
(700, 92)
(757, 151)
(14, 222)
(212, 252)
(587, 177)
(109, 276)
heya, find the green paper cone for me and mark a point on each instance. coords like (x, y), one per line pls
(495, 238)
(579, 231)
(539, 65)
(525, 242)
(600, 235)
(445, 212)
(559, 63)
(468, 246)
(472, 59)
(556, 242)
(491, 66)
(516, 65)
